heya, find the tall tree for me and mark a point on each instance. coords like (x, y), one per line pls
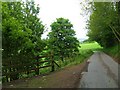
(21, 34)
(32, 22)
(103, 23)
(62, 40)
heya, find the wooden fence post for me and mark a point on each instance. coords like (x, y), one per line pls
(37, 69)
(52, 62)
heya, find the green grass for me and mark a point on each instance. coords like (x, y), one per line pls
(114, 52)
(90, 46)
(86, 50)
(74, 61)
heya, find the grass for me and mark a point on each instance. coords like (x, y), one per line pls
(86, 50)
(114, 52)
(90, 46)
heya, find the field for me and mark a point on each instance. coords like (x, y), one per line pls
(90, 46)
(85, 51)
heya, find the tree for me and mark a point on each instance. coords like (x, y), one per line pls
(32, 22)
(102, 24)
(21, 34)
(62, 40)
(11, 34)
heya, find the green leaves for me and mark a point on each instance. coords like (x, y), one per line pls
(62, 39)
(21, 33)
(103, 15)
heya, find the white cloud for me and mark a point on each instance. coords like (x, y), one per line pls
(70, 9)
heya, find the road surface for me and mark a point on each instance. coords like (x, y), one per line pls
(102, 72)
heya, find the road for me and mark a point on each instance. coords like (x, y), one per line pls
(102, 72)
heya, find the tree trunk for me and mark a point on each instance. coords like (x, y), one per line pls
(52, 63)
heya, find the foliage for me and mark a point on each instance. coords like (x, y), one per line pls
(62, 40)
(21, 34)
(103, 24)
(114, 51)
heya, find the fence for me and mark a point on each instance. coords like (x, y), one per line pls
(12, 72)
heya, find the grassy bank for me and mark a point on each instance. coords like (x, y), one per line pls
(84, 55)
(114, 52)
(75, 60)
(86, 50)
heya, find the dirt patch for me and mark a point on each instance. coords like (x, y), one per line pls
(68, 77)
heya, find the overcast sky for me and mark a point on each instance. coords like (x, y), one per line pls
(70, 9)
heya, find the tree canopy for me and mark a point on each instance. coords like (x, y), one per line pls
(103, 24)
(62, 40)
(21, 34)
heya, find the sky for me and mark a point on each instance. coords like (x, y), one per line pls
(69, 9)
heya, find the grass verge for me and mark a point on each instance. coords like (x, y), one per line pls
(75, 60)
(114, 52)
(86, 50)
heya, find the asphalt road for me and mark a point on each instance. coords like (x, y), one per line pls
(102, 72)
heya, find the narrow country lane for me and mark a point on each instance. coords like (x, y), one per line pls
(102, 72)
